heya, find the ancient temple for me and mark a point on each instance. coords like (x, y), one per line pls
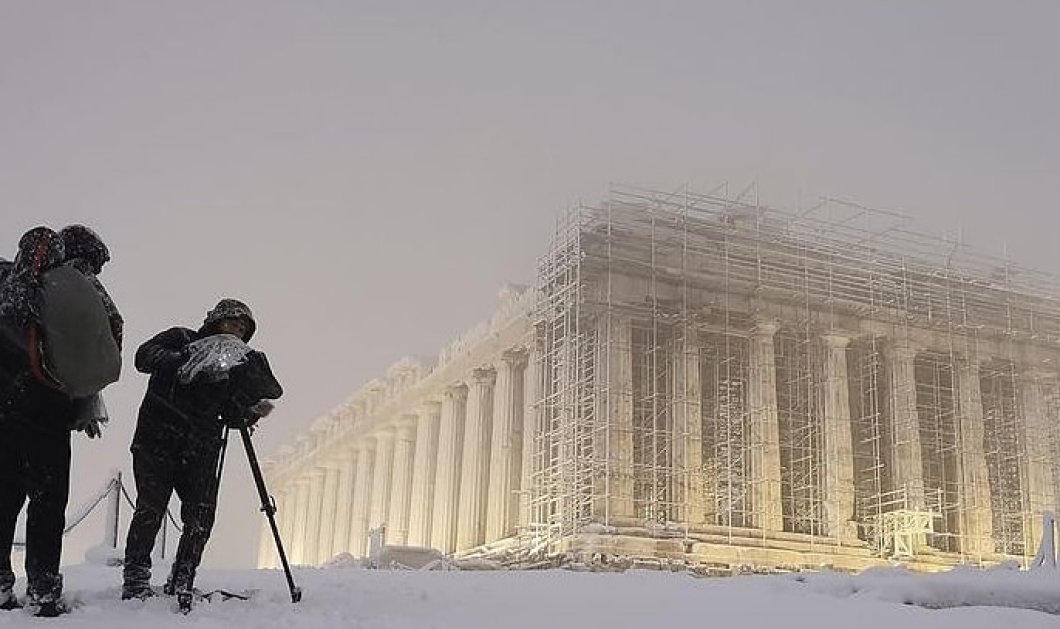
(698, 380)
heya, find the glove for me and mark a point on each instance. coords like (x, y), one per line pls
(90, 415)
(260, 409)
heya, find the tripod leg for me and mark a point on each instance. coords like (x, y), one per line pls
(268, 507)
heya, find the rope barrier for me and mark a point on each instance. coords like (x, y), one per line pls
(85, 511)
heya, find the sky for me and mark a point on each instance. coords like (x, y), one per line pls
(368, 175)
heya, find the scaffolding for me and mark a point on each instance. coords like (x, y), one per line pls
(648, 344)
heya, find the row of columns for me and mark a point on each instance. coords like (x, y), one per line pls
(838, 456)
(446, 475)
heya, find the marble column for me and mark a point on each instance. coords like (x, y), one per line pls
(401, 485)
(340, 539)
(381, 477)
(285, 511)
(362, 492)
(506, 447)
(328, 511)
(447, 478)
(475, 465)
(424, 464)
(531, 422)
(688, 429)
(1039, 494)
(838, 442)
(301, 516)
(977, 523)
(765, 429)
(907, 458)
(311, 549)
(613, 456)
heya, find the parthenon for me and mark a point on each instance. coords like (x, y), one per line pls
(696, 379)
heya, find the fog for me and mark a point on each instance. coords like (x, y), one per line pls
(367, 175)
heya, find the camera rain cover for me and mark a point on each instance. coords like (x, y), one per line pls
(210, 358)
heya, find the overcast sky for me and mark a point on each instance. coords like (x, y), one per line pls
(366, 175)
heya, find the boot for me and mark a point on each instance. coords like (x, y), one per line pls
(45, 596)
(8, 600)
(137, 591)
(136, 583)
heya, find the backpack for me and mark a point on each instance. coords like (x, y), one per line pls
(77, 347)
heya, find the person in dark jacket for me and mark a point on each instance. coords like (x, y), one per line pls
(35, 422)
(179, 435)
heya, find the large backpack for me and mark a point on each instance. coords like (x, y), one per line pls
(77, 347)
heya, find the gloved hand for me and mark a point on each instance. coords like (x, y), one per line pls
(91, 427)
(260, 409)
(90, 415)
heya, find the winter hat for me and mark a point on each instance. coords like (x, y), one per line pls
(231, 309)
(81, 242)
(39, 249)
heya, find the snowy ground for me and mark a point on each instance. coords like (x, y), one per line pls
(348, 597)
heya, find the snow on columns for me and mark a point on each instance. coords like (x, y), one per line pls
(398, 517)
(838, 442)
(475, 466)
(765, 429)
(362, 488)
(506, 447)
(977, 518)
(381, 477)
(447, 476)
(424, 464)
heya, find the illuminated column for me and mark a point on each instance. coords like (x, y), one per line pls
(310, 549)
(424, 464)
(688, 428)
(301, 512)
(398, 518)
(328, 511)
(765, 429)
(340, 539)
(447, 478)
(908, 462)
(475, 465)
(531, 387)
(613, 462)
(977, 522)
(838, 442)
(1037, 463)
(362, 488)
(506, 448)
(381, 477)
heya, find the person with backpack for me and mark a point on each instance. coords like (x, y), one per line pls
(202, 382)
(45, 305)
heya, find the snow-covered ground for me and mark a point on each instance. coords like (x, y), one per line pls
(349, 597)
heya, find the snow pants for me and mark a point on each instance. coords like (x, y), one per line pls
(192, 473)
(34, 464)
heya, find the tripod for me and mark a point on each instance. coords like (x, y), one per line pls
(268, 504)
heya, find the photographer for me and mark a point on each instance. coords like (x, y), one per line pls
(201, 382)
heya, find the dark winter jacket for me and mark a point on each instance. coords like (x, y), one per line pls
(24, 394)
(175, 417)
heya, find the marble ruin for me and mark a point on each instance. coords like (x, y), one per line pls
(696, 380)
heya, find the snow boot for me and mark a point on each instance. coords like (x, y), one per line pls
(8, 600)
(137, 591)
(45, 596)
